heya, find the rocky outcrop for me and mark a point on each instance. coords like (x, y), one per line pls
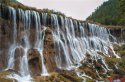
(18, 55)
(62, 76)
(119, 33)
(5, 40)
(49, 51)
(34, 61)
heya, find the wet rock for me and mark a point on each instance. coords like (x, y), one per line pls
(34, 61)
(63, 76)
(49, 51)
(4, 74)
(116, 47)
(19, 52)
(5, 41)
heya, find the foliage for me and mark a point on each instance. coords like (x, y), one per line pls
(122, 11)
(117, 64)
(111, 12)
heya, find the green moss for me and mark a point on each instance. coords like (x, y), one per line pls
(89, 80)
(71, 76)
(59, 77)
(123, 47)
(3, 74)
(5, 80)
(113, 60)
(89, 71)
(121, 51)
(120, 62)
(64, 79)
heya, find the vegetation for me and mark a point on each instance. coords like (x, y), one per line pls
(3, 75)
(116, 65)
(111, 12)
(64, 76)
(122, 11)
(117, 62)
(107, 13)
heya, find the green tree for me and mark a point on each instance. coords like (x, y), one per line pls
(108, 13)
(122, 11)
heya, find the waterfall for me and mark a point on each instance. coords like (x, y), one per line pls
(40, 40)
(13, 47)
(59, 43)
(25, 17)
(73, 40)
(24, 70)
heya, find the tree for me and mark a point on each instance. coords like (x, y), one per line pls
(122, 11)
(108, 13)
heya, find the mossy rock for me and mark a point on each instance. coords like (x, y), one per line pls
(4, 73)
(89, 70)
(5, 80)
(122, 53)
(3, 76)
(123, 47)
(71, 75)
(64, 76)
(89, 80)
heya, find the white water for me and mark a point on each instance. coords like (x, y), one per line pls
(83, 76)
(72, 40)
(20, 78)
(24, 73)
(75, 46)
(40, 41)
(13, 47)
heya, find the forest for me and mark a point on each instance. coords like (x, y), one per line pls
(111, 12)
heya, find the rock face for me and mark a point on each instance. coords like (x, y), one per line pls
(119, 33)
(5, 39)
(49, 50)
(34, 61)
(19, 53)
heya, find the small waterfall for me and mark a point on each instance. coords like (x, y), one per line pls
(24, 70)
(59, 44)
(39, 45)
(13, 47)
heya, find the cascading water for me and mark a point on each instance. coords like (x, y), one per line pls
(40, 40)
(74, 45)
(73, 40)
(25, 16)
(12, 48)
(24, 70)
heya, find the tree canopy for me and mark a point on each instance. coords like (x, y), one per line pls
(111, 12)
